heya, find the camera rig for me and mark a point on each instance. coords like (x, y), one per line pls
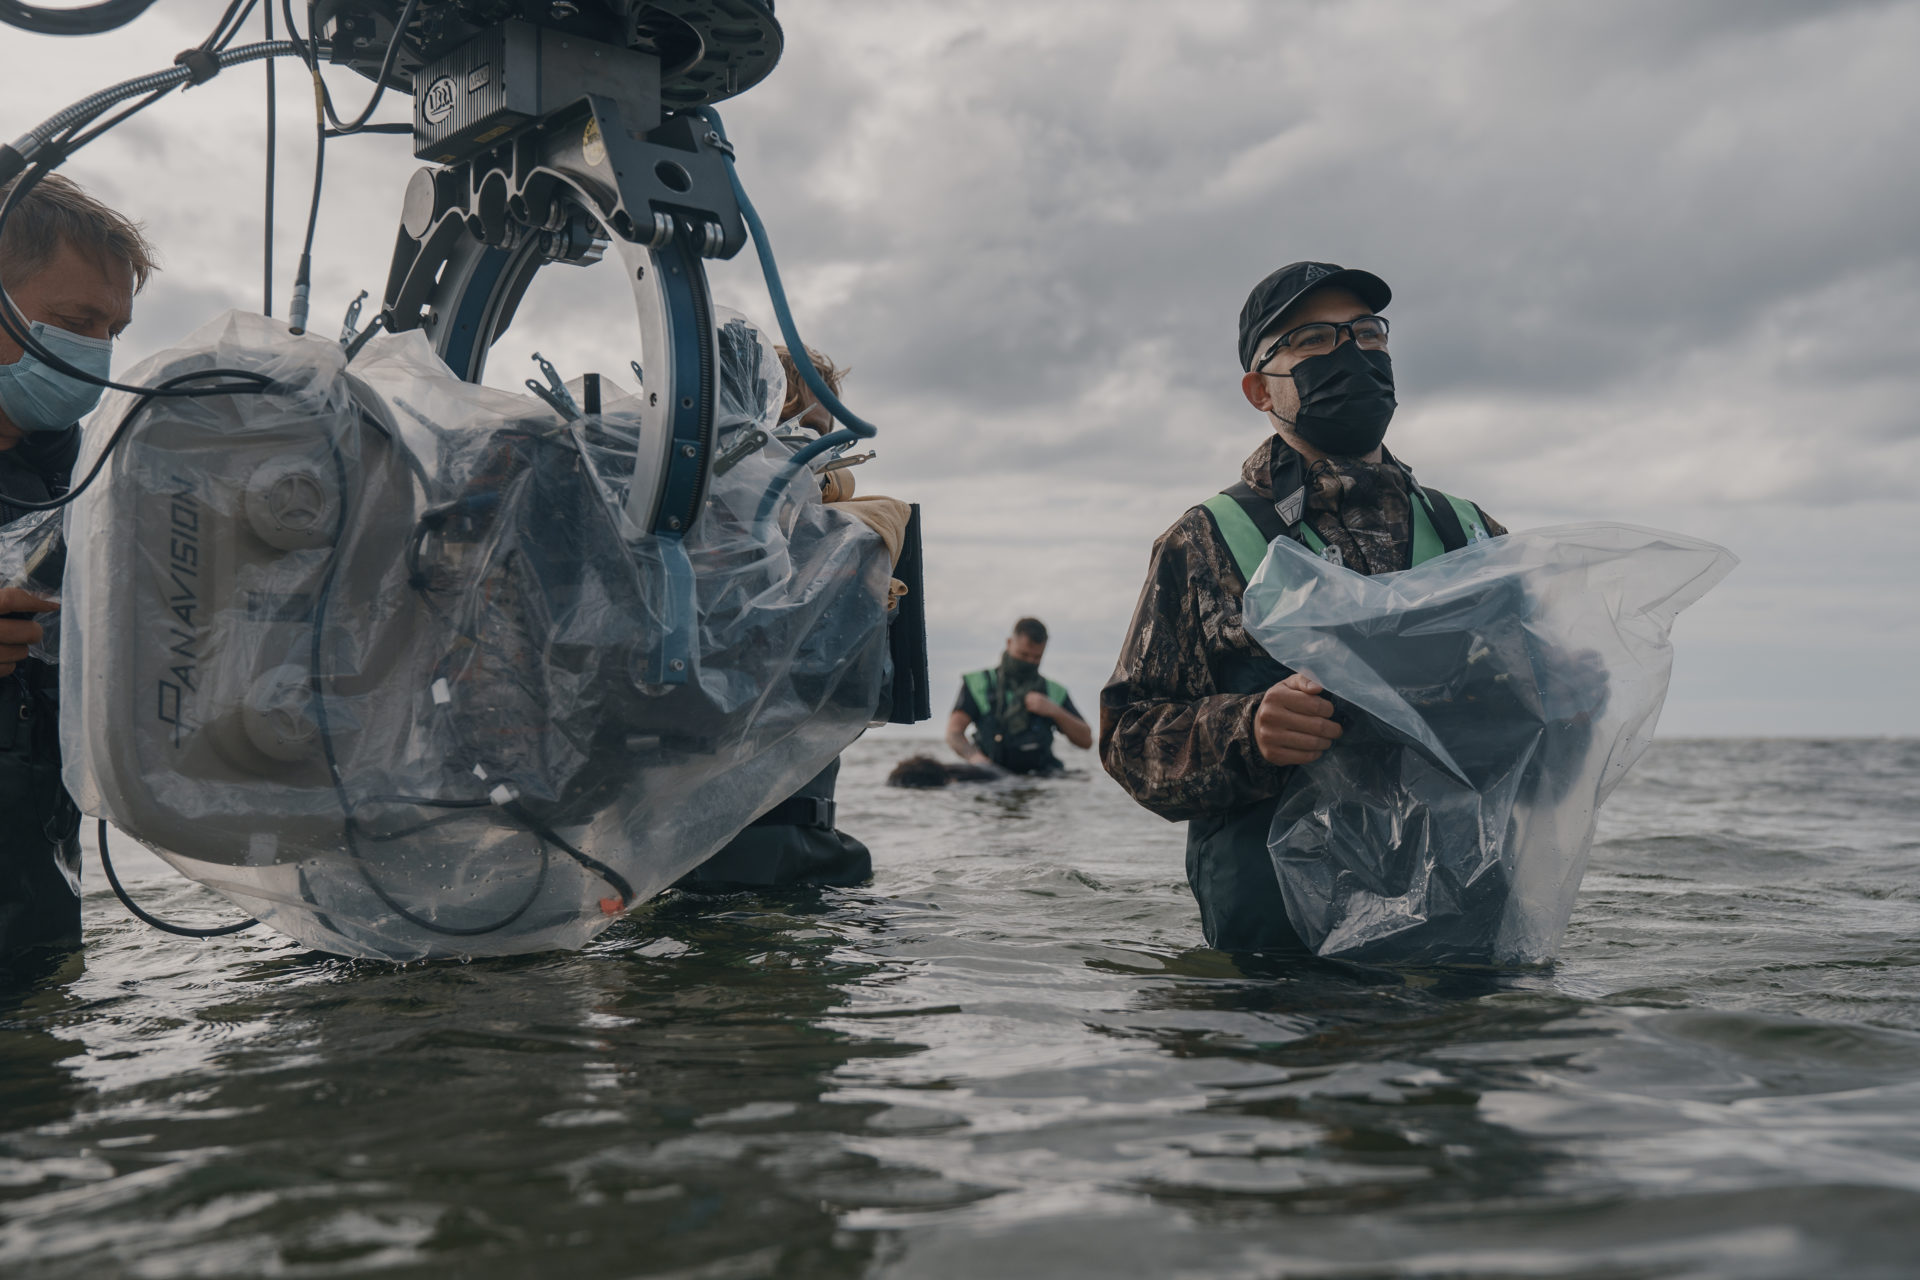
(555, 132)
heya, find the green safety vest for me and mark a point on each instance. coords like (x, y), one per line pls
(1228, 866)
(1249, 545)
(980, 685)
(1030, 747)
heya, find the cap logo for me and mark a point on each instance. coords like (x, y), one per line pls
(1317, 272)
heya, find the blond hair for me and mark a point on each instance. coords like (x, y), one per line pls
(830, 373)
(57, 211)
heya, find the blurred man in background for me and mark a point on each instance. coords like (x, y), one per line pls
(1014, 710)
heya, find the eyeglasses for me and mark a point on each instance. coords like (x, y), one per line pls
(1367, 332)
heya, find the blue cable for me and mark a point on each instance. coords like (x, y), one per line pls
(854, 426)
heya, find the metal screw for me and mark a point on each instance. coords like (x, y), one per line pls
(673, 522)
(678, 665)
(686, 402)
(687, 451)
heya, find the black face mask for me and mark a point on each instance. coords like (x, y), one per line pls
(1346, 400)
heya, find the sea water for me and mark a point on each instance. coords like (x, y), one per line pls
(1011, 1056)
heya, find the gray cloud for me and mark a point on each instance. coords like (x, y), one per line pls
(1651, 261)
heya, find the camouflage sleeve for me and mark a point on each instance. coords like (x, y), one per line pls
(1176, 744)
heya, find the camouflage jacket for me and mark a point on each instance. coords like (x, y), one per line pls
(1174, 730)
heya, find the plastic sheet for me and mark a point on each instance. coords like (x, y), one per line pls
(375, 656)
(1491, 699)
(25, 561)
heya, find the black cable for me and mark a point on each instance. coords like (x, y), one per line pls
(429, 802)
(217, 39)
(229, 25)
(303, 274)
(319, 178)
(308, 46)
(273, 138)
(300, 46)
(74, 142)
(219, 28)
(349, 823)
(48, 154)
(120, 892)
(620, 883)
(387, 837)
(88, 20)
(380, 80)
(252, 384)
(417, 577)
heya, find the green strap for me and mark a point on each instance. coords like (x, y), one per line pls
(980, 685)
(1249, 547)
(1469, 517)
(1426, 538)
(1243, 536)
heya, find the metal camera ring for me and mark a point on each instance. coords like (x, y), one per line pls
(464, 292)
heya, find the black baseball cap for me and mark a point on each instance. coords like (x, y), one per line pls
(1272, 296)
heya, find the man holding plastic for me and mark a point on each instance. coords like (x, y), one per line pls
(1198, 722)
(71, 266)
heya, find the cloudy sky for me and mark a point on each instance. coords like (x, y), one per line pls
(1655, 261)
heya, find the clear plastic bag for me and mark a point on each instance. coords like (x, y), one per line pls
(375, 655)
(33, 556)
(1491, 700)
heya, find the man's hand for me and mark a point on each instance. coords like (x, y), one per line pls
(1077, 730)
(1294, 724)
(17, 635)
(958, 741)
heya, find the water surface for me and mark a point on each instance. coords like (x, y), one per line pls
(1009, 1056)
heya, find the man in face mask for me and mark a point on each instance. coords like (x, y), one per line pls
(1014, 710)
(1198, 722)
(71, 267)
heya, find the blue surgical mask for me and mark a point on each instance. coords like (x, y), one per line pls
(37, 397)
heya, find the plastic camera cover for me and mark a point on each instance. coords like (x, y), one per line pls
(1491, 699)
(373, 654)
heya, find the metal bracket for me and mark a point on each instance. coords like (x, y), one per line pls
(566, 189)
(745, 447)
(674, 659)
